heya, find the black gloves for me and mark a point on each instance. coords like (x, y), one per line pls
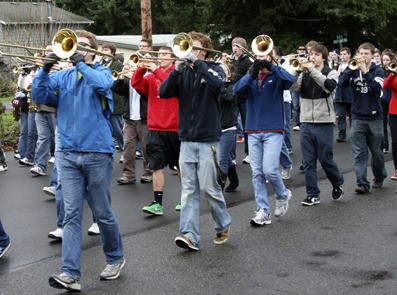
(76, 58)
(47, 64)
(254, 69)
(265, 64)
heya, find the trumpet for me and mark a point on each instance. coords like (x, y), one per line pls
(392, 66)
(138, 57)
(28, 87)
(182, 45)
(119, 75)
(19, 69)
(299, 66)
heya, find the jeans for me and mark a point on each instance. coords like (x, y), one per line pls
(87, 176)
(265, 151)
(228, 141)
(285, 159)
(364, 135)
(117, 124)
(296, 107)
(45, 123)
(23, 134)
(385, 107)
(242, 107)
(393, 134)
(316, 142)
(198, 174)
(287, 125)
(342, 108)
(4, 238)
(32, 136)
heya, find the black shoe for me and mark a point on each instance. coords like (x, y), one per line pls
(377, 183)
(337, 192)
(361, 190)
(231, 187)
(341, 139)
(310, 201)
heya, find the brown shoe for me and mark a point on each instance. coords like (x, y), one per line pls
(361, 190)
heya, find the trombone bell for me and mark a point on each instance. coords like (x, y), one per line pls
(182, 45)
(64, 43)
(262, 45)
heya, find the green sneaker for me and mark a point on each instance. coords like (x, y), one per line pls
(154, 208)
(178, 207)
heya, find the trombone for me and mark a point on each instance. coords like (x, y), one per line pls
(261, 45)
(138, 57)
(182, 45)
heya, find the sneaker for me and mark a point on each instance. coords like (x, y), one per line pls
(56, 234)
(302, 168)
(296, 128)
(93, 230)
(154, 208)
(112, 271)
(285, 173)
(341, 139)
(126, 180)
(310, 201)
(289, 151)
(282, 205)
(3, 250)
(385, 151)
(185, 243)
(50, 190)
(178, 207)
(51, 160)
(240, 139)
(3, 167)
(25, 162)
(121, 159)
(64, 281)
(146, 179)
(231, 187)
(246, 160)
(377, 183)
(394, 176)
(361, 190)
(17, 156)
(261, 218)
(337, 192)
(222, 237)
(138, 155)
(37, 171)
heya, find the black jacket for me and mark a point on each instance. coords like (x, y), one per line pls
(228, 106)
(198, 92)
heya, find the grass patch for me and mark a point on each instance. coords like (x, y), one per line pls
(6, 99)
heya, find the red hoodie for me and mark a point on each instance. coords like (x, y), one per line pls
(391, 83)
(162, 113)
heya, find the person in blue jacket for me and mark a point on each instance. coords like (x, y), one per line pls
(264, 85)
(84, 99)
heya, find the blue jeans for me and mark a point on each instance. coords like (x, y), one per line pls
(4, 238)
(87, 176)
(342, 108)
(198, 174)
(296, 107)
(32, 136)
(228, 141)
(287, 125)
(117, 124)
(364, 135)
(45, 123)
(265, 151)
(285, 159)
(316, 142)
(23, 134)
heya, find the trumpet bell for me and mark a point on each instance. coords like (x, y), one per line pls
(353, 64)
(15, 69)
(262, 45)
(64, 43)
(392, 66)
(28, 87)
(182, 45)
(295, 64)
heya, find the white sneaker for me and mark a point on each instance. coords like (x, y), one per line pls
(25, 161)
(296, 128)
(261, 218)
(17, 156)
(51, 160)
(93, 230)
(246, 160)
(56, 234)
(285, 173)
(282, 205)
(121, 159)
(50, 190)
(37, 171)
(3, 167)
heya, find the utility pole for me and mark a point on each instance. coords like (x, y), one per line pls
(146, 19)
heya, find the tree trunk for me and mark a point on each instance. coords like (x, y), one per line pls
(146, 19)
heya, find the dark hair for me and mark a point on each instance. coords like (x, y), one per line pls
(204, 40)
(90, 36)
(167, 49)
(347, 49)
(367, 45)
(120, 57)
(149, 42)
(320, 49)
(278, 50)
(111, 46)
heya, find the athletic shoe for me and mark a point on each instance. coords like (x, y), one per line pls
(231, 187)
(154, 208)
(178, 207)
(361, 190)
(261, 218)
(112, 271)
(64, 281)
(282, 205)
(337, 192)
(25, 161)
(222, 237)
(37, 170)
(4, 249)
(341, 139)
(50, 190)
(285, 173)
(17, 156)
(289, 151)
(3, 167)
(377, 183)
(121, 159)
(394, 176)
(185, 243)
(246, 160)
(146, 179)
(51, 160)
(302, 168)
(56, 234)
(126, 180)
(296, 128)
(93, 230)
(138, 155)
(240, 139)
(385, 151)
(310, 201)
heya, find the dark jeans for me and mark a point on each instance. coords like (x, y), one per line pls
(385, 107)
(242, 107)
(393, 133)
(342, 108)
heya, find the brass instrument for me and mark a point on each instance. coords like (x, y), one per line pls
(28, 87)
(299, 65)
(119, 75)
(138, 57)
(182, 45)
(392, 66)
(20, 69)
(26, 56)
(261, 45)
(353, 64)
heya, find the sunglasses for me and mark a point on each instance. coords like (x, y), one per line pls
(84, 44)
(301, 48)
